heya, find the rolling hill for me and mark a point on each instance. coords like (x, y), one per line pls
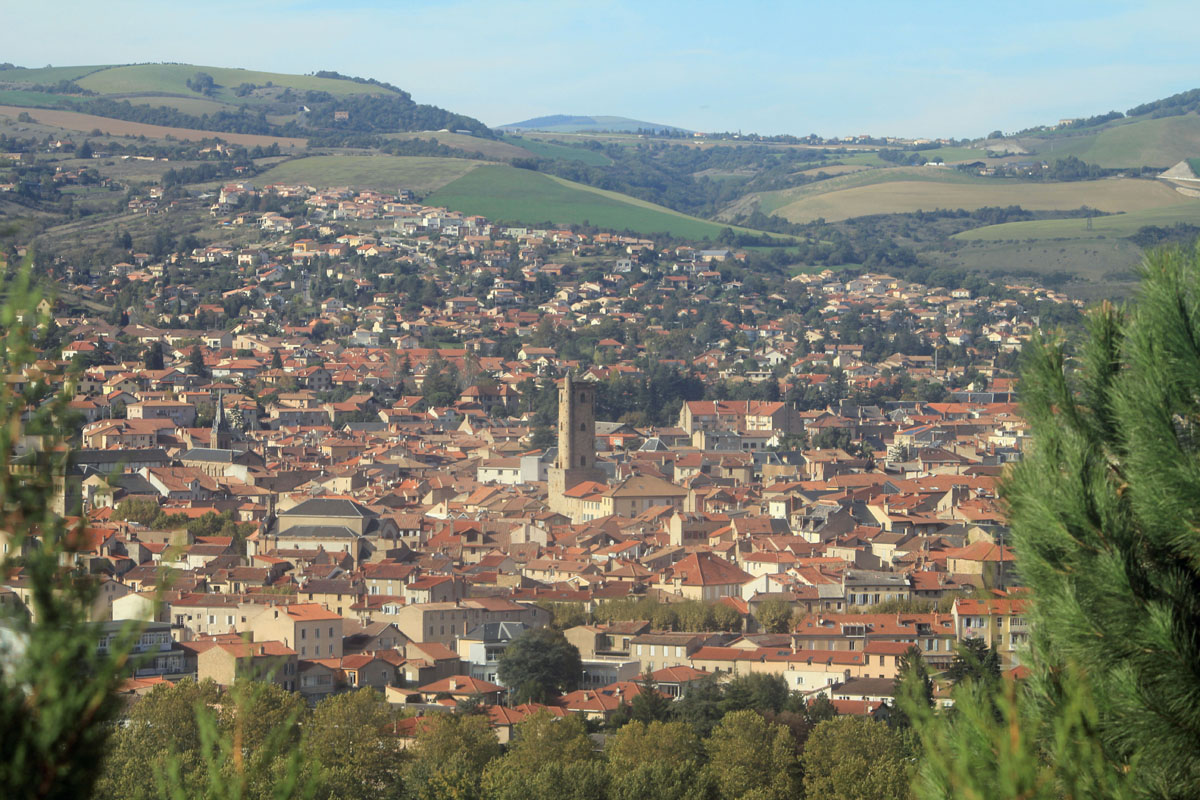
(901, 190)
(507, 194)
(382, 173)
(230, 100)
(567, 123)
(1127, 143)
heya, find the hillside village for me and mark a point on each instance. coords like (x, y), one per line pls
(375, 450)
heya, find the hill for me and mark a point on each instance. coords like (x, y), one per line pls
(566, 123)
(380, 172)
(332, 108)
(508, 194)
(902, 190)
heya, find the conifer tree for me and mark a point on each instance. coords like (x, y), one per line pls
(1105, 512)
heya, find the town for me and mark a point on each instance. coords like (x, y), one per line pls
(370, 443)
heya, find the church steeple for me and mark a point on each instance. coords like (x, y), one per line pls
(222, 436)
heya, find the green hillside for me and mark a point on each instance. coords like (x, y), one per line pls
(1101, 227)
(508, 194)
(544, 149)
(901, 190)
(1126, 143)
(380, 172)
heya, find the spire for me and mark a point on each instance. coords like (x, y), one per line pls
(219, 424)
(221, 434)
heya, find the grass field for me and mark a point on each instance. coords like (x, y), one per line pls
(833, 169)
(27, 97)
(46, 74)
(508, 194)
(490, 148)
(1102, 227)
(380, 172)
(544, 149)
(188, 105)
(905, 190)
(771, 202)
(1103, 268)
(1159, 142)
(172, 79)
(74, 121)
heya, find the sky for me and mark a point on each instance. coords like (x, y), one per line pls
(935, 69)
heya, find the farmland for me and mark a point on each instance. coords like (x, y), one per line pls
(173, 78)
(508, 194)
(1101, 227)
(905, 190)
(545, 149)
(1153, 142)
(489, 148)
(74, 121)
(380, 172)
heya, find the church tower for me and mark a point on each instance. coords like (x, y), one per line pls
(576, 461)
(222, 435)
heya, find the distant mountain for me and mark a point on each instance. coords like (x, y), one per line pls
(566, 123)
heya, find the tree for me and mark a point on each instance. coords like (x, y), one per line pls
(346, 737)
(662, 760)
(756, 690)
(196, 365)
(451, 752)
(750, 757)
(650, 704)
(820, 709)
(57, 692)
(700, 706)
(539, 662)
(550, 758)
(162, 726)
(856, 758)
(974, 661)
(154, 355)
(912, 682)
(774, 616)
(1104, 512)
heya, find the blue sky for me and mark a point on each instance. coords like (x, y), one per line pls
(933, 69)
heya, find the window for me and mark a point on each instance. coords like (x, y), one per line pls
(583, 461)
(304, 633)
(331, 628)
(582, 427)
(212, 620)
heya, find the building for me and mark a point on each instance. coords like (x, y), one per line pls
(576, 462)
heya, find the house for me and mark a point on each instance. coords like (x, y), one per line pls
(227, 662)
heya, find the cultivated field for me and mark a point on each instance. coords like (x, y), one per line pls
(1102, 268)
(1152, 142)
(188, 105)
(380, 172)
(74, 121)
(544, 149)
(834, 169)
(173, 78)
(47, 74)
(508, 194)
(1102, 227)
(490, 148)
(902, 191)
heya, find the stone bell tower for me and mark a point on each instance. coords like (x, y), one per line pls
(576, 461)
